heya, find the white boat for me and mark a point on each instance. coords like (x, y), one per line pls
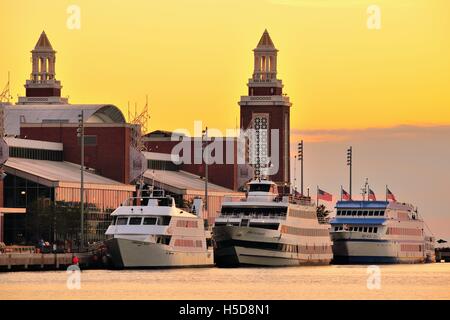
(379, 232)
(153, 232)
(267, 229)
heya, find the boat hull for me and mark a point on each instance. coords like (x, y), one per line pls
(127, 253)
(370, 252)
(246, 246)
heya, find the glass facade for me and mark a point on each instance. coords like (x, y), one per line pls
(63, 204)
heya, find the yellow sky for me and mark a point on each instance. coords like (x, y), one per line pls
(193, 58)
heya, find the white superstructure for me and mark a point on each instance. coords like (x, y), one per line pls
(153, 232)
(267, 229)
(379, 232)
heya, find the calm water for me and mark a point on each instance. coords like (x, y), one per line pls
(430, 281)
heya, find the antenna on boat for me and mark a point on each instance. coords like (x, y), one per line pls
(364, 190)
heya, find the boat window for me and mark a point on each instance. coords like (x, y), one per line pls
(370, 213)
(335, 228)
(359, 212)
(338, 213)
(360, 229)
(122, 221)
(353, 212)
(370, 229)
(164, 221)
(229, 211)
(375, 229)
(217, 224)
(365, 213)
(376, 213)
(114, 220)
(135, 221)
(149, 221)
(165, 202)
(263, 187)
(163, 239)
(365, 229)
(381, 213)
(271, 226)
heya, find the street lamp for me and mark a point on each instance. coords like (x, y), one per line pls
(205, 142)
(300, 158)
(80, 135)
(349, 163)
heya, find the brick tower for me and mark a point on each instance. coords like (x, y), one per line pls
(266, 108)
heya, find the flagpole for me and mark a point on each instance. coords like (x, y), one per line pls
(368, 191)
(341, 192)
(386, 193)
(317, 196)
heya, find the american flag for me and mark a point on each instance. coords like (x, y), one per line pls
(372, 195)
(390, 195)
(345, 195)
(323, 195)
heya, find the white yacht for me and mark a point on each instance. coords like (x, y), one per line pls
(153, 232)
(379, 232)
(267, 229)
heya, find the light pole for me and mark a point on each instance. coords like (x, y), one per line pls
(300, 158)
(349, 163)
(205, 143)
(295, 174)
(80, 135)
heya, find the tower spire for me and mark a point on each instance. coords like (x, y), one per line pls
(265, 40)
(43, 43)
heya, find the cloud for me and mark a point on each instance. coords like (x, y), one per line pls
(400, 132)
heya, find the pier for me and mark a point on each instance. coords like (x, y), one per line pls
(45, 261)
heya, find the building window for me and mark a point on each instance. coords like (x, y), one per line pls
(89, 140)
(162, 165)
(38, 154)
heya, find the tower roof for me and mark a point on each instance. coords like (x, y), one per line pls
(43, 43)
(265, 42)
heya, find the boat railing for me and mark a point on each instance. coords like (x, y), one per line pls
(251, 216)
(323, 220)
(144, 201)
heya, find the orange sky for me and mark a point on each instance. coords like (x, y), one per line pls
(193, 58)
